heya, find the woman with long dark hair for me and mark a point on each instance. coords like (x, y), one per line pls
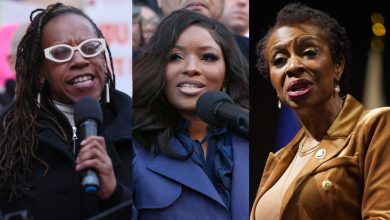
(61, 59)
(336, 167)
(184, 168)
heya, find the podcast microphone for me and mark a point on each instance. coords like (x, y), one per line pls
(88, 117)
(217, 108)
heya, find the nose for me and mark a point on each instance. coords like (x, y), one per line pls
(294, 66)
(78, 61)
(191, 67)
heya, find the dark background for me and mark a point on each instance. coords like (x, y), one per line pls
(356, 18)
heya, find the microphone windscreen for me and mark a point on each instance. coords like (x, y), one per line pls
(87, 108)
(206, 104)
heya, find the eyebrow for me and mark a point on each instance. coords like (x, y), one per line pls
(299, 40)
(199, 48)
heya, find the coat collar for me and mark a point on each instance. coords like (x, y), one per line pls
(197, 179)
(334, 140)
(117, 116)
(121, 127)
(179, 171)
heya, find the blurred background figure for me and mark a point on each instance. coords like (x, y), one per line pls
(138, 39)
(152, 4)
(16, 37)
(236, 16)
(210, 8)
(145, 21)
(8, 96)
(149, 21)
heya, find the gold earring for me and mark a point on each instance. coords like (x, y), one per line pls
(279, 103)
(224, 89)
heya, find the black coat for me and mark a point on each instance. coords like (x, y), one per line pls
(58, 195)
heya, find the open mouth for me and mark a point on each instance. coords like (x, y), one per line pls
(81, 80)
(299, 88)
(190, 86)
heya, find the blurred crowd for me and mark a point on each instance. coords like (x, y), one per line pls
(148, 13)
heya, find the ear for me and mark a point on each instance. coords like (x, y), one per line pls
(338, 69)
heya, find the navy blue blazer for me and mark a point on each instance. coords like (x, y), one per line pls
(165, 188)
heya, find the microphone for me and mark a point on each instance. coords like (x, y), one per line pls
(217, 108)
(88, 117)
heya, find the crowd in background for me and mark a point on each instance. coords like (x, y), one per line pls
(147, 15)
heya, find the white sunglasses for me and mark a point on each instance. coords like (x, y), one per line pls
(63, 53)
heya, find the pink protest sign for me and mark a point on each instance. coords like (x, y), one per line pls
(6, 32)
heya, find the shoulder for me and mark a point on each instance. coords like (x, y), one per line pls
(114, 93)
(240, 140)
(243, 44)
(375, 119)
(241, 40)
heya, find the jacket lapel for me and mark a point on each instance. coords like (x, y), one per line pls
(334, 141)
(332, 147)
(240, 178)
(279, 165)
(48, 137)
(186, 173)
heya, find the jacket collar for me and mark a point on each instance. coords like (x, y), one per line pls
(179, 171)
(334, 140)
(121, 127)
(116, 123)
(197, 179)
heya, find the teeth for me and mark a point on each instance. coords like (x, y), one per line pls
(82, 80)
(300, 88)
(83, 83)
(189, 86)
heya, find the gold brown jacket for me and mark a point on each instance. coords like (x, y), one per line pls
(357, 162)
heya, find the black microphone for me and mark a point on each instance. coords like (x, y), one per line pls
(217, 108)
(88, 117)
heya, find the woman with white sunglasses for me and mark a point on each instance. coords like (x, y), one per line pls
(61, 59)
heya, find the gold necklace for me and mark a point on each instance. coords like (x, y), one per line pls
(307, 151)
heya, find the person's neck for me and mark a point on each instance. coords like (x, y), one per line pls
(198, 128)
(316, 121)
(67, 110)
(241, 32)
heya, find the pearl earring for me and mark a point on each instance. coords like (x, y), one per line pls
(337, 87)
